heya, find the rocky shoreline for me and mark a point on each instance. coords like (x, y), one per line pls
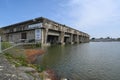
(12, 67)
(8, 71)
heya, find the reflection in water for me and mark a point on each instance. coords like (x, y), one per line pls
(87, 61)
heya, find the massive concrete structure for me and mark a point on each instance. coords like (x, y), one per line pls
(44, 31)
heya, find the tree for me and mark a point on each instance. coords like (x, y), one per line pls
(93, 39)
(108, 38)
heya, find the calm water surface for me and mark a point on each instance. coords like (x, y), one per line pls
(86, 61)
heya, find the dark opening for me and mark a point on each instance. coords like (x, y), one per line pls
(66, 40)
(52, 39)
(23, 36)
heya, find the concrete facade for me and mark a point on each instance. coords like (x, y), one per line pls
(44, 31)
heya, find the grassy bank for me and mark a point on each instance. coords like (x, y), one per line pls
(5, 45)
(21, 62)
(21, 56)
(18, 58)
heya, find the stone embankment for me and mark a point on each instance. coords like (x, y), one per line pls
(8, 70)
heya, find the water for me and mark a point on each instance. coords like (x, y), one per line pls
(86, 61)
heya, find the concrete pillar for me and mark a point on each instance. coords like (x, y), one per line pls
(68, 40)
(77, 39)
(80, 39)
(87, 39)
(61, 38)
(83, 38)
(71, 39)
(44, 35)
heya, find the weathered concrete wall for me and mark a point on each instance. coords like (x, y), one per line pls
(14, 37)
(75, 35)
(56, 31)
(30, 35)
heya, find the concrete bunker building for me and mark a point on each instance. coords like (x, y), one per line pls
(44, 31)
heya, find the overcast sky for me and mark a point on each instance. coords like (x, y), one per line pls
(99, 18)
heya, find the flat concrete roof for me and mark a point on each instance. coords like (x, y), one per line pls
(37, 19)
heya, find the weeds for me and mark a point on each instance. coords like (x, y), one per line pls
(21, 61)
(6, 45)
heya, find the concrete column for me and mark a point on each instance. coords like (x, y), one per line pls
(61, 38)
(77, 39)
(44, 33)
(80, 39)
(68, 40)
(42, 36)
(83, 38)
(71, 39)
(74, 38)
(87, 39)
(45, 36)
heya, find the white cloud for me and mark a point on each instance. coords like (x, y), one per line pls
(91, 13)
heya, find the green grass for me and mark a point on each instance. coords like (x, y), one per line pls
(21, 61)
(5, 45)
(16, 60)
(31, 46)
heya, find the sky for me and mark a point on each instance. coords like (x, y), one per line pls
(98, 18)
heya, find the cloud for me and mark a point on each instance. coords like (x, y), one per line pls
(92, 13)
